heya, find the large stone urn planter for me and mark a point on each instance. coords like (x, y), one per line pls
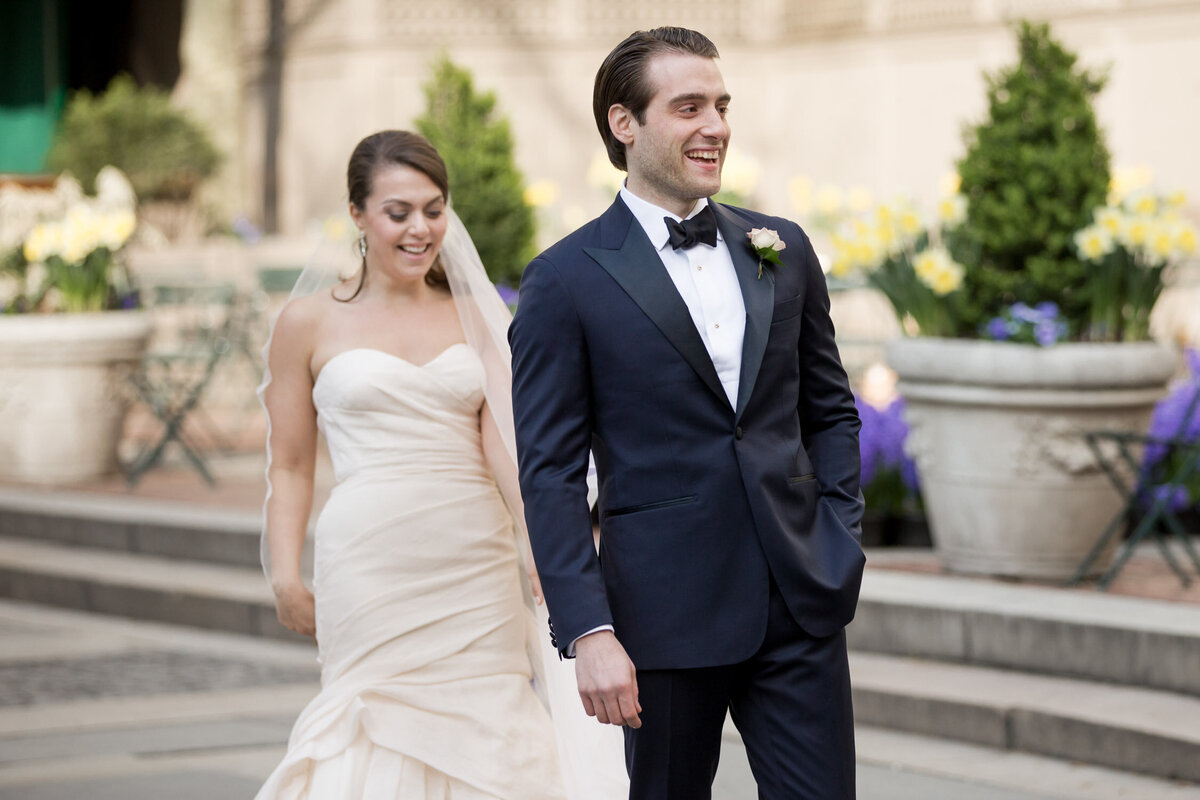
(62, 395)
(996, 429)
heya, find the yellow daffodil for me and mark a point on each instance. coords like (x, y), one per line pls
(947, 280)
(938, 271)
(541, 193)
(952, 210)
(1160, 243)
(740, 173)
(1134, 231)
(1126, 180)
(1094, 242)
(1185, 239)
(40, 244)
(910, 223)
(1110, 219)
(800, 190)
(951, 184)
(887, 238)
(1141, 203)
(925, 264)
(602, 174)
(859, 199)
(829, 200)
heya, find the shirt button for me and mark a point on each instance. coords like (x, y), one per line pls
(737, 432)
(716, 324)
(699, 268)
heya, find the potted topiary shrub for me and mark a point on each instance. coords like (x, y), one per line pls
(164, 152)
(1027, 316)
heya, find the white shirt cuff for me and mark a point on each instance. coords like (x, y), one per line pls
(571, 648)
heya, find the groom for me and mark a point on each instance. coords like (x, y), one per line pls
(706, 382)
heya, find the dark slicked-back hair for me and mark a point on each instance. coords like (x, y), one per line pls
(621, 79)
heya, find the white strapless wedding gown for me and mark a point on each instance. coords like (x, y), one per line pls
(421, 622)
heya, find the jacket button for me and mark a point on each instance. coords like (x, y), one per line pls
(737, 432)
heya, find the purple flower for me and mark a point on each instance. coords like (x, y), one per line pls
(1173, 496)
(245, 229)
(1023, 313)
(881, 442)
(1193, 361)
(508, 294)
(1046, 332)
(1047, 309)
(998, 329)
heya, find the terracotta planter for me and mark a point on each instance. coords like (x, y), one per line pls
(996, 430)
(62, 396)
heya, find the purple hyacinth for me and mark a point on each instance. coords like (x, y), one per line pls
(881, 442)
(1176, 418)
(1173, 496)
(868, 439)
(998, 329)
(1023, 313)
(1047, 309)
(1047, 331)
(508, 294)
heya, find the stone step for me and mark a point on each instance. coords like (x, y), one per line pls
(1121, 727)
(1040, 629)
(1053, 631)
(1128, 728)
(134, 525)
(216, 597)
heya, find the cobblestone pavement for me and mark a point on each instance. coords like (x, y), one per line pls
(112, 709)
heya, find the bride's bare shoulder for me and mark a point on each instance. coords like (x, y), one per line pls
(309, 312)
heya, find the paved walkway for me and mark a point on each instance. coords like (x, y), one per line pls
(106, 708)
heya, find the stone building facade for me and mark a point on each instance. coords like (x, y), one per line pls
(847, 93)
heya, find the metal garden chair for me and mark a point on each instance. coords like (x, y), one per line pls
(209, 323)
(1142, 516)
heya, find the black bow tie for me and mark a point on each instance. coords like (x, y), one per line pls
(691, 232)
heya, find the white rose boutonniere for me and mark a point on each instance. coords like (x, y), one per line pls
(766, 245)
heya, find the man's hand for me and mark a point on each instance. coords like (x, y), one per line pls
(607, 680)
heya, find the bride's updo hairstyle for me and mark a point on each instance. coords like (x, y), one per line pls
(390, 149)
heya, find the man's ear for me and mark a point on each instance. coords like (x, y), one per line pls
(621, 122)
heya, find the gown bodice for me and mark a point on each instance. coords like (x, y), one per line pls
(382, 414)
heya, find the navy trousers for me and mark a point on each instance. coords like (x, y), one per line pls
(790, 702)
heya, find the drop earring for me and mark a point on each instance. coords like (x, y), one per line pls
(362, 243)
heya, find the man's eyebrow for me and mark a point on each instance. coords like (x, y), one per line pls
(697, 96)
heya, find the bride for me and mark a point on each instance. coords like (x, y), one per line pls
(435, 680)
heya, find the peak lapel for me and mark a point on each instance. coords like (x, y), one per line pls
(639, 271)
(758, 294)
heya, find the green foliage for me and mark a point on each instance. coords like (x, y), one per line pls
(1033, 172)
(164, 152)
(486, 188)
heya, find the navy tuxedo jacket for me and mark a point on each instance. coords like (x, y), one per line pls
(700, 502)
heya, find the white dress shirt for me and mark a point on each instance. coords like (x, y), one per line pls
(708, 284)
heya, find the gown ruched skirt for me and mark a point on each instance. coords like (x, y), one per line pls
(421, 621)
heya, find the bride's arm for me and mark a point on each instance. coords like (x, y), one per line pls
(293, 447)
(505, 472)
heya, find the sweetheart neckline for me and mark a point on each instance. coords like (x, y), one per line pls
(385, 353)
